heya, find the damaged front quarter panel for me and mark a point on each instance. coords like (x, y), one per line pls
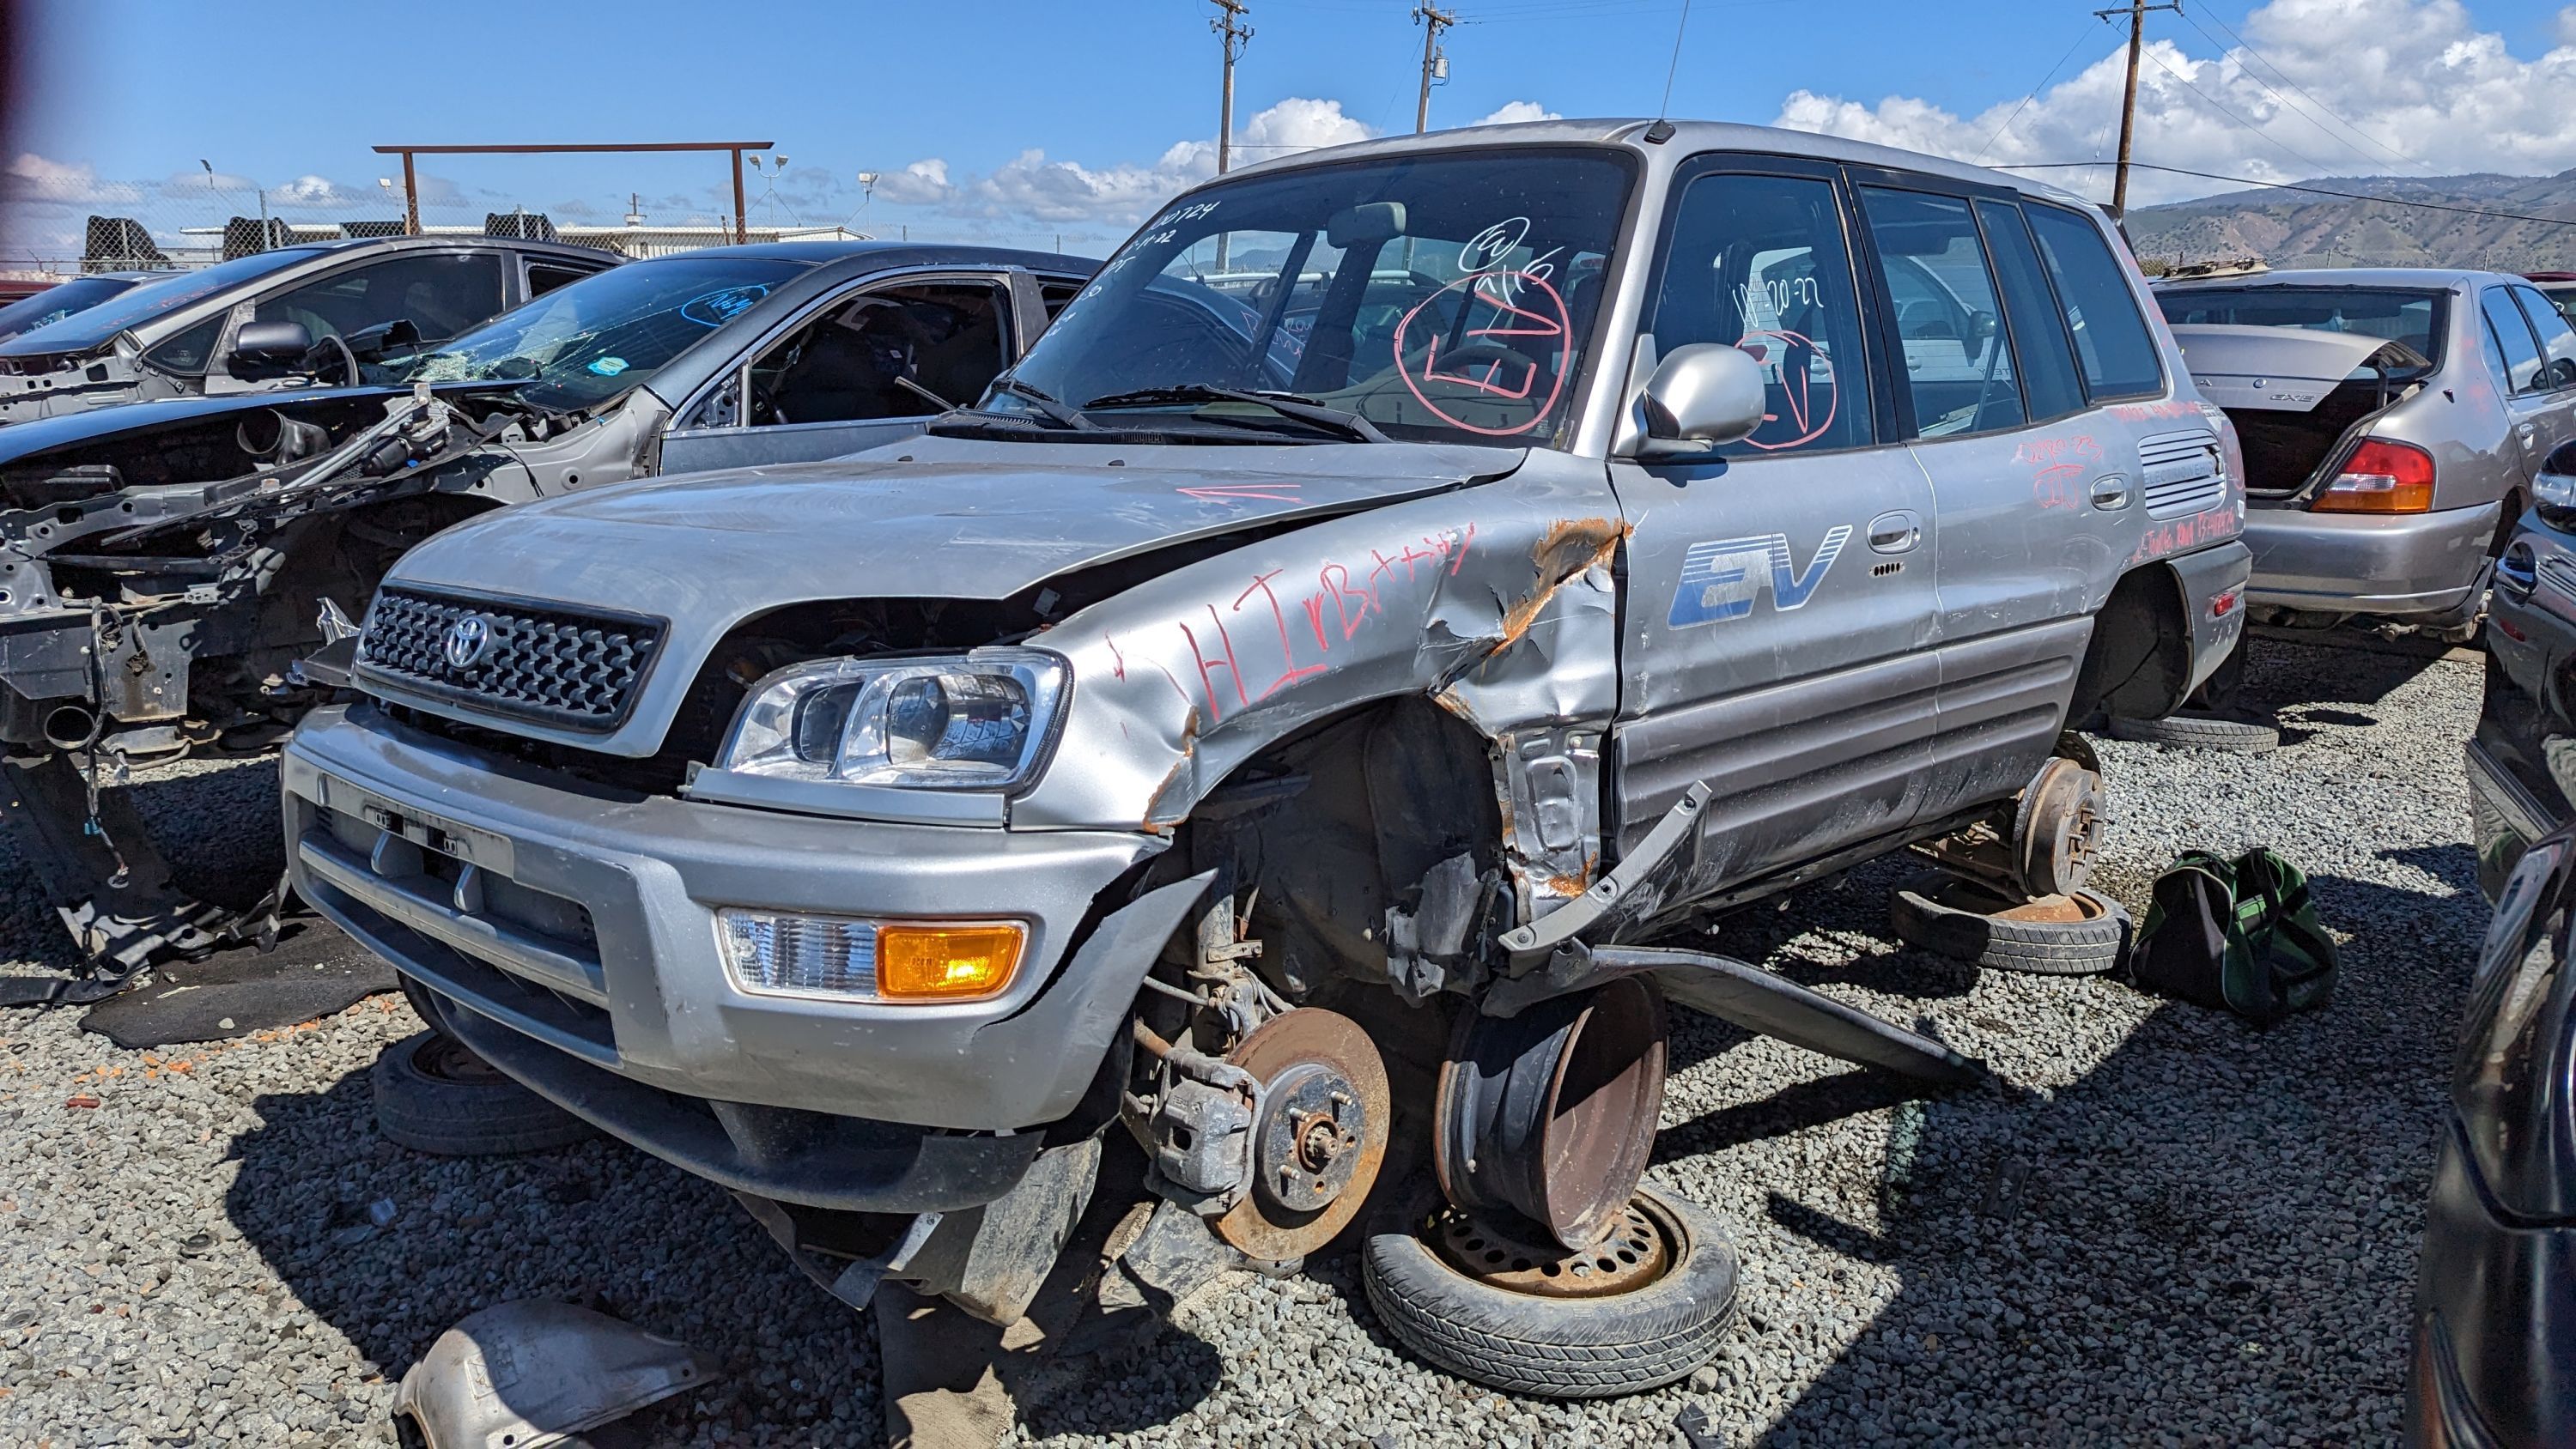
(1498, 602)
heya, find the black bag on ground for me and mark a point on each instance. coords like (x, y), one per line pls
(2240, 936)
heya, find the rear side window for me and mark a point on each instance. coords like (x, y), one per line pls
(2557, 339)
(2513, 334)
(1758, 263)
(2112, 342)
(2039, 338)
(1958, 362)
(543, 279)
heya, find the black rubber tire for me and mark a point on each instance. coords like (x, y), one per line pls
(1938, 912)
(2198, 732)
(1561, 1348)
(481, 1114)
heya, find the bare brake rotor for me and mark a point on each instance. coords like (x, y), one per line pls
(2057, 832)
(1320, 1136)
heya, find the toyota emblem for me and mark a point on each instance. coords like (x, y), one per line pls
(468, 640)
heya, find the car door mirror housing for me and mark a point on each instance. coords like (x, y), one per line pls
(1700, 396)
(275, 343)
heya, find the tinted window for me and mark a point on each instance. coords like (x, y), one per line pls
(543, 279)
(2112, 342)
(2557, 339)
(89, 328)
(2414, 318)
(2513, 334)
(441, 294)
(2038, 334)
(1759, 262)
(1958, 366)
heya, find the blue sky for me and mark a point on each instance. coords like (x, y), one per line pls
(949, 100)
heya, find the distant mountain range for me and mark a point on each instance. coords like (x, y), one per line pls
(2301, 229)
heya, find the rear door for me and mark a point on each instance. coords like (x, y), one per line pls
(1780, 592)
(2530, 403)
(2036, 489)
(2554, 415)
(870, 363)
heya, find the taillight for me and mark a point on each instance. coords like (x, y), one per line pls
(2380, 477)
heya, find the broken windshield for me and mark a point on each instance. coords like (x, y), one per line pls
(590, 340)
(1444, 297)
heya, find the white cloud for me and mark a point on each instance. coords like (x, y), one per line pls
(1512, 111)
(2425, 88)
(1033, 188)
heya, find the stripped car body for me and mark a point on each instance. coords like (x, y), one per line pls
(2391, 418)
(217, 331)
(1302, 687)
(181, 575)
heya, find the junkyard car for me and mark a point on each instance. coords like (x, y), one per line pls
(172, 573)
(61, 300)
(283, 318)
(1229, 719)
(2391, 421)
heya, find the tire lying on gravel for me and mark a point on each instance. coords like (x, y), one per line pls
(1566, 1348)
(2198, 732)
(1943, 913)
(433, 1095)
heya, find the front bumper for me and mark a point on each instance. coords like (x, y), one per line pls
(2495, 1319)
(2363, 563)
(588, 932)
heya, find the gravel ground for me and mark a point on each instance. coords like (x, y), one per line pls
(2165, 1228)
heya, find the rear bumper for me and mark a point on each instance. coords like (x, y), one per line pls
(2211, 577)
(2361, 563)
(584, 959)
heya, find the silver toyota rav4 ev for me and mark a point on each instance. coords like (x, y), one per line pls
(1408, 576)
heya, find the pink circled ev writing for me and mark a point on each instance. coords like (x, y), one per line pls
(1515, 320)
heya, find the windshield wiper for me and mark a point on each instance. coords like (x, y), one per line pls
(1046, 404)
(1287, 404)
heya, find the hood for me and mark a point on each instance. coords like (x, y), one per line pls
(939, 518)
(2279, 369)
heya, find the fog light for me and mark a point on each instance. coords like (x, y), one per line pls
(821, 955)
(785, 953)
(947, 963)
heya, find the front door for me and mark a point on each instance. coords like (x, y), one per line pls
(868, 365)
(1780, 592)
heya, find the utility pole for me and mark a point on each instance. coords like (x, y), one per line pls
(2137, 13)
(1233, 32)
(1435, 65)
(1230, 29)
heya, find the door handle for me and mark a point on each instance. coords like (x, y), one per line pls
(2111, 492)
(2526, 429)
(1895, 532)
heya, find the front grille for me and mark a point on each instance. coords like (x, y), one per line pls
(570, 668)
(2180, 473)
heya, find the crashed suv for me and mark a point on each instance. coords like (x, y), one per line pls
(1409, 576)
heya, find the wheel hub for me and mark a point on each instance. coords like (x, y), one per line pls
(1320, 1136)
(1634, 1254)
(2057, 833)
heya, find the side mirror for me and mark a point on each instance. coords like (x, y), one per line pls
(278, 344)
(1701, 395)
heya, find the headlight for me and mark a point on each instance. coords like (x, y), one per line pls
(976, 721)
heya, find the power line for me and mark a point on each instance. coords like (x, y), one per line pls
(2295, 186)
(2249, 127)
(2274, 66)
(2285, 102)
(2033, 93)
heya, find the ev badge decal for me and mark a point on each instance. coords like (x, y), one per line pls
(467, 639)
(1721, 578)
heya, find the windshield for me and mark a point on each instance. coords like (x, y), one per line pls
(1441, 297)
(87, 329)
(2414, 318)
(590, 340)
(58, 302)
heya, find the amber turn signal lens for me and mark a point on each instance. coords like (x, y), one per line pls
(2381, 477)
(947, 963)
